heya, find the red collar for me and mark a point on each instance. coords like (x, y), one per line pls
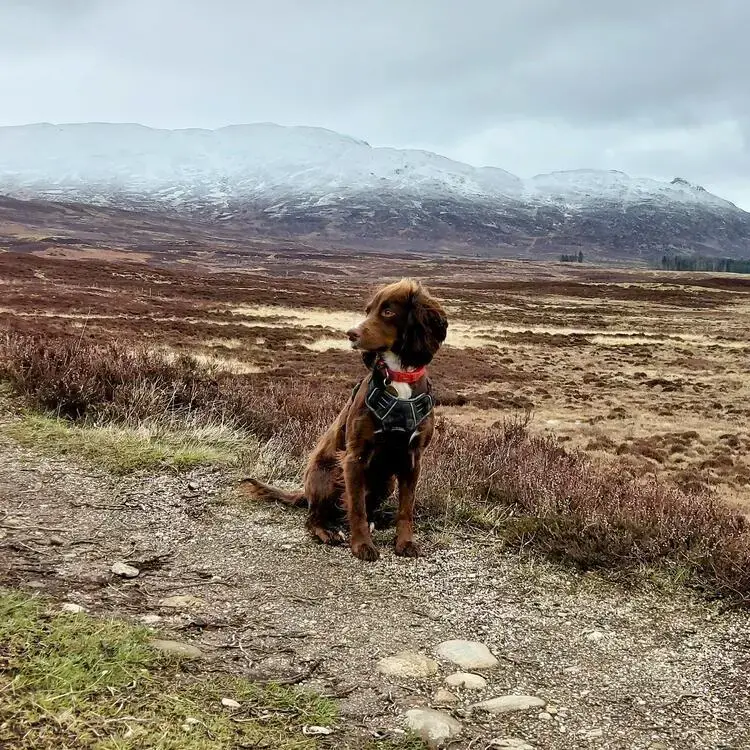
(403, 376)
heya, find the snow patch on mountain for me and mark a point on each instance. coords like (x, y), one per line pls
(268, 163)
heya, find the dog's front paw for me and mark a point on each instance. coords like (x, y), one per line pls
(365, 551)
(407, 549)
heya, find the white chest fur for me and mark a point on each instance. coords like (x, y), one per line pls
(403, 390)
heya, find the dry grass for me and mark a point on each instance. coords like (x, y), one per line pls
(122, 450)
(528, 489)
(535, 494)
(102, 384)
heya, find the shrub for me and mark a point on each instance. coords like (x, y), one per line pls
(528, 489)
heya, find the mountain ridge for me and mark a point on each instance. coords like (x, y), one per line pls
(314, 183)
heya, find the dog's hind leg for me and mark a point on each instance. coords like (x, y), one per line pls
(323, 490)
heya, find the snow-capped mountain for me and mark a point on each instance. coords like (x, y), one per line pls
(316, 183)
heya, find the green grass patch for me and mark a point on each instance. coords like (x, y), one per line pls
(122, 450)
(71, 681)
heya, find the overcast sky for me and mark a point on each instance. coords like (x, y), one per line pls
(652, 87)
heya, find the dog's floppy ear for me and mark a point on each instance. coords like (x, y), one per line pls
(423, 332)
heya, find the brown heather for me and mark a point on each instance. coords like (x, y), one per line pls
(528, 490)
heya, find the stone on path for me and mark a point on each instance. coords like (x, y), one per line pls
(124, 570)
(444, 697)
(466, 680)
(511, 742)
(507, 703)
(407, 664)
(176, 648)
(595, 635)
(467, 654)
(434, 727)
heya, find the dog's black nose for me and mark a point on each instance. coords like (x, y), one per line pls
(353, 334)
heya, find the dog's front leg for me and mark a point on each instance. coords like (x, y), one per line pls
(354, 481)
(407, 487)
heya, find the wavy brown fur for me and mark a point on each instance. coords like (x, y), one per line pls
(351, 470)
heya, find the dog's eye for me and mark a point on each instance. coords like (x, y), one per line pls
(386, 313)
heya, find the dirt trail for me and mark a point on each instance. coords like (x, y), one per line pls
(618, 668)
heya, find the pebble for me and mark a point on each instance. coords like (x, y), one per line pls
(545, 716)
(444, 697)
(506, 703)
(230, 703)
(124, 570)
(182, 601)
(407, 664)
(56, 541)
(434, 727)
(312, 730)
(512, 742)
(176, 648)
(150, 619)
(466, 680)
(467, 654)
(72, 608)
(595, 635)
(593, 734)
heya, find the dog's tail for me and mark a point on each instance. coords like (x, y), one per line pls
(261, 491)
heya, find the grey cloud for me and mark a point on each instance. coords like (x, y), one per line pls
(652, 88)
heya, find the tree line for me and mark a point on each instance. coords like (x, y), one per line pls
(575, 258)
(703, 263)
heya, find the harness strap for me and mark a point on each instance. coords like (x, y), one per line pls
(397, 414)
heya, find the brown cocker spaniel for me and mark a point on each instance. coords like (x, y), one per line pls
(381, 433)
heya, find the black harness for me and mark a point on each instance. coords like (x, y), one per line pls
(393, 414)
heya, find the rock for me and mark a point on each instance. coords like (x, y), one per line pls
(124, 570)
(514, 742)
(407, 664)
(56, 541)
(545, 716)
(229, 703)
(150, 619)
(466, 680)
(467, 654)
(595, 635)
(182, 601)
(506, 703)
(72, 608)
(434, 727)
(193, 486)
(176, 648)
(315, 731)
(444, 697)
(594, 734)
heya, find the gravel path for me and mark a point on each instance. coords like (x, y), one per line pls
(612, 667)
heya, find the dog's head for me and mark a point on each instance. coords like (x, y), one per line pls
(402, 318)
